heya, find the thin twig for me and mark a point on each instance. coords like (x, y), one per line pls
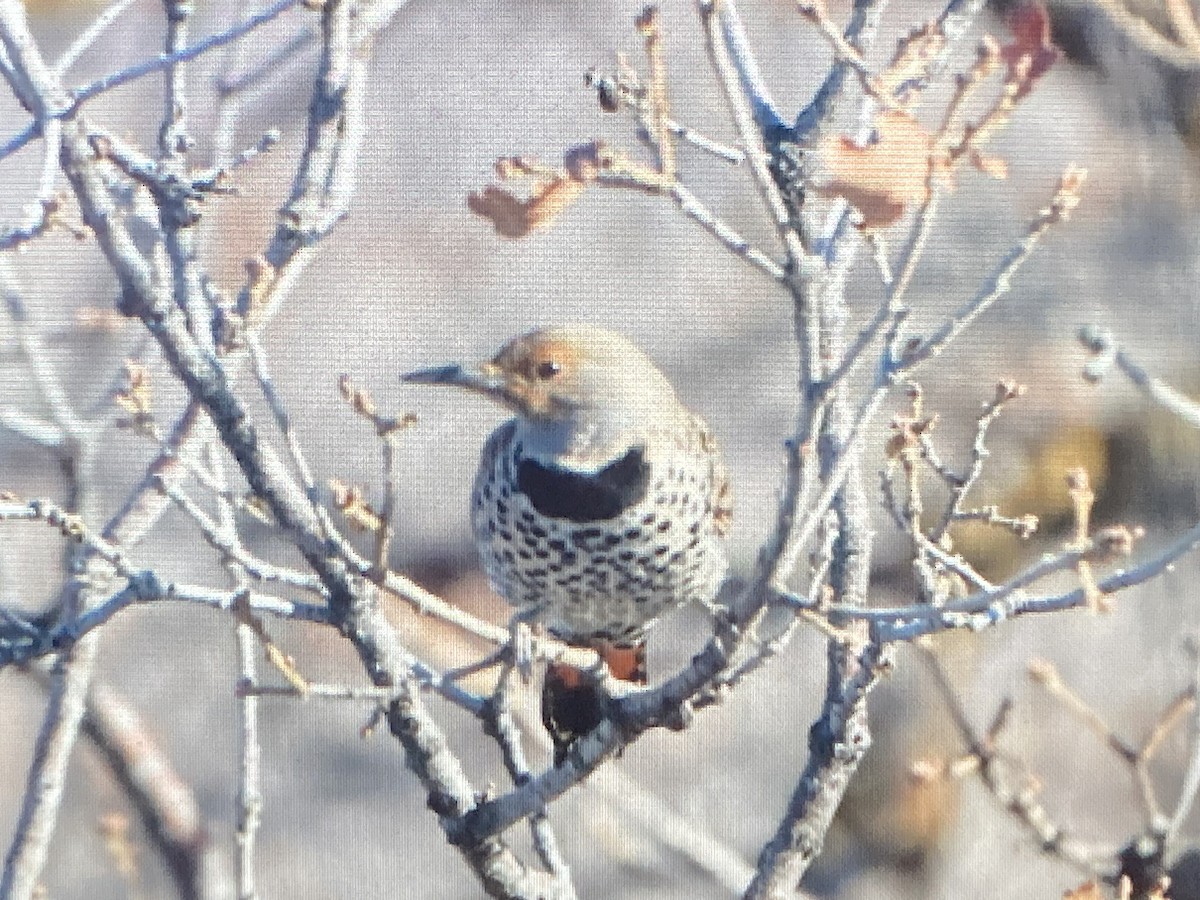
(283, 421)
(1065, 199)
(504, 728)
(1191, 779)
(249, 794)
(81, 95)
(1020, 801)
(738, 81)
(89, 35)
(165, 802)
(1106, 353)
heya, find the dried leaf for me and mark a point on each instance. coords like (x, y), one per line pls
(506, 212)
(1030, 27)
(554, 189)
(513, 217)
(549, 203)
(881, 179)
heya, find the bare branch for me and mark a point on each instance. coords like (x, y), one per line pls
(1106, 353)
(73, 100)
(249, 794)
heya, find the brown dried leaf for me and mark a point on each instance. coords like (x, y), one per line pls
(548, 204)
(506, 212)
(554, 190)
(513, 217)
(881, 179)
(1030, 27)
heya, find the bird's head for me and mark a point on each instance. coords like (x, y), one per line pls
(574, 380)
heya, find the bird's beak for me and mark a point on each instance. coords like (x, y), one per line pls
(484, 380)
(518, 394)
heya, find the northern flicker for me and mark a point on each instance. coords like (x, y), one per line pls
(603, 504)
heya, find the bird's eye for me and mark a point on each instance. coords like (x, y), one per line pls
(548, 369)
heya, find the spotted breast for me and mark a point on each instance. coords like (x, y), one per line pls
(602, 553)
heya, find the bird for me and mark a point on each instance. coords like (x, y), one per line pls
(601, 505)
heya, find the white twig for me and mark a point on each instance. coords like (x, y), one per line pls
(742, 57)
(739, 99)
(81, 44)
(81, 95)
(1107, 353)
(283, 421)
(1065, 200)
(46, 779)
(1191, 779)
(691, 206)
(249, 794)
(508, 736)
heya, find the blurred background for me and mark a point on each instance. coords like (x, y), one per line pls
(412, 278)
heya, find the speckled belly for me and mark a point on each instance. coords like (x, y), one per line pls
(607, 578)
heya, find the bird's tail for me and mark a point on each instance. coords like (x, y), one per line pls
(572, 704)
